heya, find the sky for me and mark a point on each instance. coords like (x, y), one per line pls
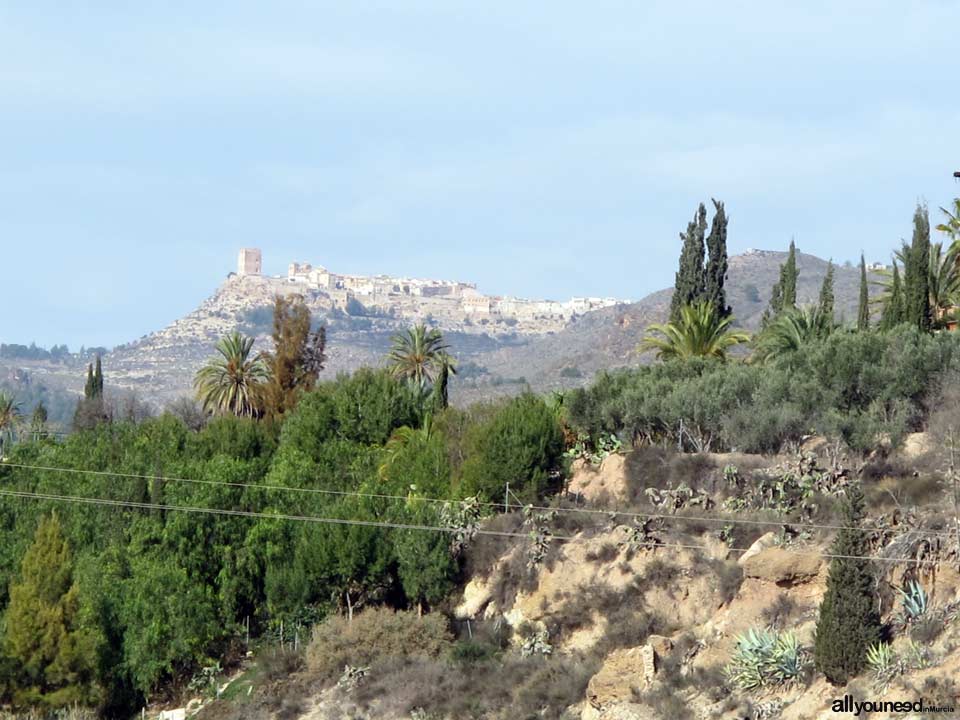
(537, 149)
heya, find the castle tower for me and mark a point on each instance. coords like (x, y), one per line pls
(249, 262)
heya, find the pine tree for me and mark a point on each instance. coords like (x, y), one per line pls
(916, 273)
(690, 282)
(825, 304)
(716, 271)
(863, 310)
(56, 656)
(893, 307)
(849, 622)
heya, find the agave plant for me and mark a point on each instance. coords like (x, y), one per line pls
(914, 602)
(766, 657)
(883, 663)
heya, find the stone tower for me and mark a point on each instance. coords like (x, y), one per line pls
(249, 262)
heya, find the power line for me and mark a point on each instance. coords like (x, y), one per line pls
(381, 496)
(402, 526)
(248, 513)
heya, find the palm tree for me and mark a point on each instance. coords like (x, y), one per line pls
(791, 331)
(9, 416)
(699, 332)
(233, 382)
(951, 225)
(419, 355)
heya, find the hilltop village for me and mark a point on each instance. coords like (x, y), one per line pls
(448, 302)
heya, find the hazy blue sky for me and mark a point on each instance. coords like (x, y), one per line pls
(540, 149)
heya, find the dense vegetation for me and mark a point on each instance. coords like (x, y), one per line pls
(865, 388)
(153, 593)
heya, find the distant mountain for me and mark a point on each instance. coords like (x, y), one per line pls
(494, 358)
(608, 338)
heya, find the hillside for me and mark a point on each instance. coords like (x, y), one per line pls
(496, 356)
(616, 622)
(608, 338)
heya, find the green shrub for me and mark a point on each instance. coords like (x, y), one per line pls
(374, 635)
(521, 444)
(473, 652)
(863, 387)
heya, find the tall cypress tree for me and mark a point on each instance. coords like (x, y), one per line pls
(716, 272)
(783, 295)
(849, 623)
(690, 282)
(89, 387)
(788, 279)
(825, 304)
(916, 273)
(98, 379)
(893, 307)
(863, 310)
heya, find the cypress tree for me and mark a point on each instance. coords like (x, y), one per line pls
(88, 388)
(893, 307)
(863, 310)
(848, 623)
(440, 394)
(825, 304)
(98, 379)
(716, 272)
(690, 283)
(916, 271)
(788, 279)
(783, 295)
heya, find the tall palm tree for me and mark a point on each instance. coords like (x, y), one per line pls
(418, 355)
(791, 331)
(699, 332)
(9, 416)
(232, 382)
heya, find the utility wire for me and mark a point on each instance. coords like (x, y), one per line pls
(402, 526)
(542, 508)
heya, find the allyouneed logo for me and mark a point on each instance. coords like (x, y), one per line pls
(848, 705)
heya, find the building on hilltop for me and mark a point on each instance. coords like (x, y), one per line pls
(299, 272)
(249, 262)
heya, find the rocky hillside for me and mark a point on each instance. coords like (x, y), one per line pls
(496, 357)
(632, 618)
